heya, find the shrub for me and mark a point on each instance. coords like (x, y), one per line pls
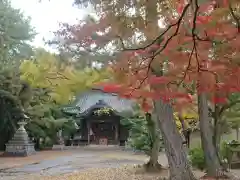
(139, 135)
(139, 138)
(225, 149)
(196, 156)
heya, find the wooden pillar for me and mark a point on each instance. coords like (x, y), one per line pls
(116, 132)
(88, 131)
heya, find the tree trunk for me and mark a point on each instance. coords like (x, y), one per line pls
(153, 164)
(37, 144)
(217, 135)
(179, 166)
(213, 168)
(217, 129)
(237, 133)
(186, 131)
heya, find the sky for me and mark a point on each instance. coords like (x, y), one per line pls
(47, 14)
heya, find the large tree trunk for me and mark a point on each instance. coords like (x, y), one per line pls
(153, 164)
(237, 133)
(179, 166)
(217, 133)
(214, 168)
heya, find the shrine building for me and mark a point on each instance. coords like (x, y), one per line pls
(98, 116)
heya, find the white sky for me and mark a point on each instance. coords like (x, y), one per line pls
(47, 14)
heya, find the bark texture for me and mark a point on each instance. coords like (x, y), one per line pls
(153, 164)
(217, 133)
(237, 133)
(179, 166)
(213, 165)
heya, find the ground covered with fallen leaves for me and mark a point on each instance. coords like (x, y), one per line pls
(127, 172)
(123, 173)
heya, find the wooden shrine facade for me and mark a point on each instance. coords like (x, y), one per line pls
(102, 130)
(100, 115)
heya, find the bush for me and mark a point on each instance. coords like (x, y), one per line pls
(196, 156)
(139, 137)
(225, 149)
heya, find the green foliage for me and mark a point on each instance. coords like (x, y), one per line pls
(224, 150)
(69, 128)
(45, 117)
(139, 137)
(139, 132)
(196, 156)
(232, 116)
(54, 83)
(11, 89)
(10, 82)
(226, 147)
(61, 79)
(46, 143)
(16, 31)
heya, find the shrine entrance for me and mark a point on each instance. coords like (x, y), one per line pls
(100, 125)
(103, 133)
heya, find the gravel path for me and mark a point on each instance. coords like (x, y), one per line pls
(77, 162)
(62, 163)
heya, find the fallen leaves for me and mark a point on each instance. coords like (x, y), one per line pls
(123, 173)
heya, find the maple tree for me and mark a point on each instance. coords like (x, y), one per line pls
(196, 51)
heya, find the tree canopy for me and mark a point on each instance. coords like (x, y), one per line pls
(63, 81)
(166, 51)
(16, 34)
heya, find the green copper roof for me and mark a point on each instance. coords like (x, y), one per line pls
(91, 99)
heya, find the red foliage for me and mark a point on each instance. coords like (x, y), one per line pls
(203, 19)
(188, 46)
(112, 88)
(146, 106)
(158, 80)
(219, 100)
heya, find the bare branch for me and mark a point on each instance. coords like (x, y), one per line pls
(237, 19)
(161, 35)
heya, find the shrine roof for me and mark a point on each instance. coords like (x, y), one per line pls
(96, 99)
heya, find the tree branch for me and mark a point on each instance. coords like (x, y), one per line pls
(237, 19)
(161, 35)
(227, 106)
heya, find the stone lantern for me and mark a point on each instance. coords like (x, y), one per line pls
(20, 144)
